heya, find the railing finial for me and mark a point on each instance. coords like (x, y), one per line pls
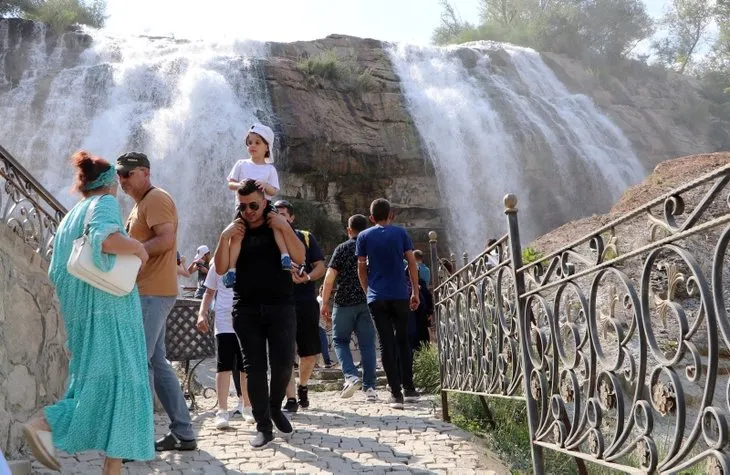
(510, 202)
(432, 236)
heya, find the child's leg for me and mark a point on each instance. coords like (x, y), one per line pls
(229, 278)
(281, 244)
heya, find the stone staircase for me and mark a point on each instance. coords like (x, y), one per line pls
(331, 379)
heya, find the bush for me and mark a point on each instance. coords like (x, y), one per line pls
(342, 71)
(61, 14)
(530, 255)
(426, 373)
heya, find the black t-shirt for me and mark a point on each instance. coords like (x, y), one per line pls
(201, 276)
(259, 277)
(344, 261)
(308, 291)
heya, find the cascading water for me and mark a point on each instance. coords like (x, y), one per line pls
(186, 104)
(495, 119)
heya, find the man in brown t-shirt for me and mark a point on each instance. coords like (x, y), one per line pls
(153, 221)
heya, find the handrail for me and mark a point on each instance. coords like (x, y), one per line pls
(28, 208)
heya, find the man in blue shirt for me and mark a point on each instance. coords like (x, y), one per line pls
(380, 252)
(424, 273)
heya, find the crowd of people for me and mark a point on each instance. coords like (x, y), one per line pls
(261, 283)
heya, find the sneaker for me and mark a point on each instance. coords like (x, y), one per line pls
(411, 395)
(303, 394)
(328, 365)
(291, 405)
(396, 401)
(247, 415)
(262, 440)
(371, 395)
(170, 442)
(350, 387)
(238, 410)
(229, 278)
(221, 420)
(286, 262)
(282, 423)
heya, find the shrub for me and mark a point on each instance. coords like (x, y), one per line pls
(426, 374)
(530, 254)
(342, 71)
(61, 14)
(325, 65)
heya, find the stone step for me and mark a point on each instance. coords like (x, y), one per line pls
(319, 385)
(335, 374)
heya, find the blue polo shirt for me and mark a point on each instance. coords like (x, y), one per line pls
(384, 247)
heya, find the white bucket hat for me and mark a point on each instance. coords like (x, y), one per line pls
(267, 134)
(202, 250)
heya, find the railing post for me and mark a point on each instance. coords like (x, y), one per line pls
(465, 256)
(433, 243)
(523, 325)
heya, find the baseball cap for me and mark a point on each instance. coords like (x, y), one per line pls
(284, 204)
(132, 160)
(267, 134)
(202, 250)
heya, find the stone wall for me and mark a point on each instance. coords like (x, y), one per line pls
(33, 361)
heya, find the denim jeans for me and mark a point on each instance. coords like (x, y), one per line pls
(324, 343)
(257, 326)
(391, 321)
(162, 377)
(355, 318)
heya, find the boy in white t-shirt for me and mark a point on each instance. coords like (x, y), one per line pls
(229, 357)
(258, 167)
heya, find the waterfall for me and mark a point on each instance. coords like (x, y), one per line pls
(187, 105)
(495, 119)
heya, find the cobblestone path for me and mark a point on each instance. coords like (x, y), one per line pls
(333, 436)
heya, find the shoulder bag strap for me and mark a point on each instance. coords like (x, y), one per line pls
(89, 212)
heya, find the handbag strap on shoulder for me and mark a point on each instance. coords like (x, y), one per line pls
(89, 212)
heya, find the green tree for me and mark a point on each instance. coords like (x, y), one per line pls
(688, 27)
(59, 14)
(451, 27)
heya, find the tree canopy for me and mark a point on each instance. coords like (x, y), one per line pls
(59, 14)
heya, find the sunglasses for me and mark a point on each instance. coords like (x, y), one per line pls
(125, 173)
(253, 206)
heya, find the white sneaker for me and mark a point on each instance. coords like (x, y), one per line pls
(239, 409)
(350, 387)
(371, 395)
(221, 420)
(247, 415)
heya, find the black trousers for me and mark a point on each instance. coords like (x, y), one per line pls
(391, 322)
(258, 326)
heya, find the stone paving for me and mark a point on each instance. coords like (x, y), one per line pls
(333, 436)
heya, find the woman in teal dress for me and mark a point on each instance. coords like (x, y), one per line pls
(108, 404)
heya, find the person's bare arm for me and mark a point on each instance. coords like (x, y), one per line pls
(233, 184)
(413, 273)
(329, 283)
(234, 232)
(318, 270)
(202, 323)
(116, 243)
(362, 273)
(163, 240)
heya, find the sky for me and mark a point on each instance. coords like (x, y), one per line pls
(408, 21)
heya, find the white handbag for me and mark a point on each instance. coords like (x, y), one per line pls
(118, 281)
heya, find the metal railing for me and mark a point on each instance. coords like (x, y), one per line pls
(619, 343)
(26, 207)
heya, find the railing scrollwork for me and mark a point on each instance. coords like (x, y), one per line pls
(618, 342)
(27, 207)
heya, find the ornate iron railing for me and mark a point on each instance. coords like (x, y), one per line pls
(28, 208)
(619, 342)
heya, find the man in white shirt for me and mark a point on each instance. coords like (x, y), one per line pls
(228, 348)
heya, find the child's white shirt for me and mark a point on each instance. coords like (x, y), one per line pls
(248, 169)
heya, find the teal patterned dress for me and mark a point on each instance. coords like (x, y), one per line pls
(108, 403)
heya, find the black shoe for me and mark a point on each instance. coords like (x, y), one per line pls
(281, 422)
(291, 405)
(396, 401)
(170, 442)
(262, 440)
(411, 395)
(303, 393)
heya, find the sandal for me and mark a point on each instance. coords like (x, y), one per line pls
(41, 443)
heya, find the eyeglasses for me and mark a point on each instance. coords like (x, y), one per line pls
(253, 206)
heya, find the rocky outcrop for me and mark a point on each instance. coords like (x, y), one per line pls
(33, 361)
(344, 142)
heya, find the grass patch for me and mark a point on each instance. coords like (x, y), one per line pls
(341, 71)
